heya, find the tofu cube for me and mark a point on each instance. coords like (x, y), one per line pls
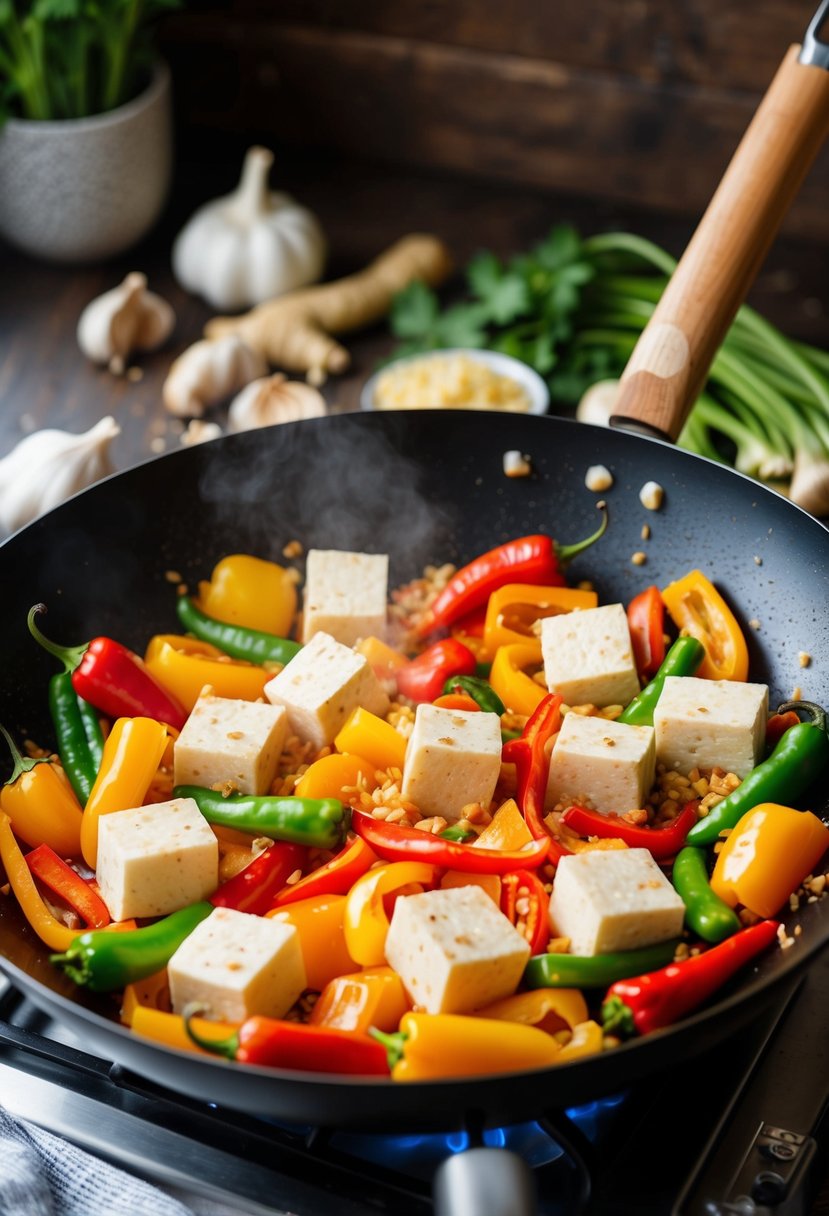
(320, 687)
(604, 765)
(617, 900)
(345, 595)
(156, 859)
(453, 758)
(238, 965)
(454, 950)
(229, 741)
(588, 657)
(704, 723)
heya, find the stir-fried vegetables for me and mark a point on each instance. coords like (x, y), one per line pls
(407, 784)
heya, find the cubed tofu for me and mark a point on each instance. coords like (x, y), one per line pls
(453, 758)
(454, 950)
(588, 657)
(346, 595)
(618, 900)
(156, 859)
(321, 686)
(704, 723)
(237, 965)
(225, 741)
(604, 765)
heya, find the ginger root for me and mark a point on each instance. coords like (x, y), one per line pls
(294, 331)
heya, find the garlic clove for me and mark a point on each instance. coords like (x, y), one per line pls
(126, 319)
(49, 466)
(197, 431)
(209, 372)
(272, 400)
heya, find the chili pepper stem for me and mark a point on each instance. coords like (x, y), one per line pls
(70, 656)
(21, 765)
(76, 968)
(393, 1043)
(617, 1018)
(817, 712)
(566, 553)
(226, 1048)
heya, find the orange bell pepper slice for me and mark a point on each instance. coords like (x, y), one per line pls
(319, 921)
(374, 997)
(519, 692)
(697, 608)
(513, 609)
(366, 922)
(186, 666)
(364, 734)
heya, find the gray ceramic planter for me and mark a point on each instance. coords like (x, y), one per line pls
(85, 189)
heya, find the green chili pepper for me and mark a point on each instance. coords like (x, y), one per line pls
(482, 670)
(595, 971)
(320, 822)
(105, 960)
(238, 642)
(482, 693)
(708, 915)
(78, 731)
(682, 659)
(801, 755)
(456, 832)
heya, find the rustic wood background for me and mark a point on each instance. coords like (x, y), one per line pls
(640, 101)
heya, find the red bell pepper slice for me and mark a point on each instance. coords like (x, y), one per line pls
(395, 843)
(336, 877)
(660, 842)
(528, 754)
(646, 622)
(423, 678)
(536, 923)
(254, 888)
(59, 877)
(777, 725)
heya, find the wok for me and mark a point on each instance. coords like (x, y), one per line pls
(430, 487)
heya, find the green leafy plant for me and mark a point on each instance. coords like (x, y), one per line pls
(573, 309)
(72, 58)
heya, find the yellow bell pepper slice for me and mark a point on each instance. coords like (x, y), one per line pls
(490, 884)
(587, 1040)
(186, 666)
(332, 776)
(383, 659)
(766, 857)
(249, 591)
(319, 922)
(517, 690)
(697, 608)
(550, 1009)
(374, 997)
(48, 928)
(513, 609)
(168, 1028)
(507, 830)
(44, 810)
(364, 734)
(132, 754)
(153, 991)
(366, 923)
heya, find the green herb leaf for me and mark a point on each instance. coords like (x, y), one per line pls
(414, 311)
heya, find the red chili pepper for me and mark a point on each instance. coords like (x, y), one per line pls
(533, 559)
(253, 889)
(660, 842)
(423, 678)
(521, 884)
(659, 998)
(395, 843)
(472, 624)
(293, 1045)
(336, 877)
(646, 622)
(54, 873)
(777, 725)
(529, 755)
(115, 680)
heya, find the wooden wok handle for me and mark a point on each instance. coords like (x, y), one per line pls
(671, 360)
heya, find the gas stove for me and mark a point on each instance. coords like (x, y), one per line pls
(742, 1131)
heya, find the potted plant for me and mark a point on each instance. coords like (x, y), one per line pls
(85, 129)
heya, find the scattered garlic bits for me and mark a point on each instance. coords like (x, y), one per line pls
(598, 478)
(651, 495)
(804, 658)
(516, 464)
(456, 382)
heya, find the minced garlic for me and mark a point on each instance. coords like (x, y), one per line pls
(451, 382)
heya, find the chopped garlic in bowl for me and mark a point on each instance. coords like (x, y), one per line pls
(457, 379)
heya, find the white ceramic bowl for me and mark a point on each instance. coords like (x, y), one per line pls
(504, 365)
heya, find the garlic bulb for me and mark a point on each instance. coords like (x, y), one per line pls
(198, 431)
(124, 320)
(208, 372)
(272, 400)
(598, 403)
(48, 466)
(251, 245)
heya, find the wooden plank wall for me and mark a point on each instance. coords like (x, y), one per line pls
(642, 101)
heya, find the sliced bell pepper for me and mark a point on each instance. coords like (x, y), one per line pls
(533, 924)
(489, 883)
(364, 734)
(331, 776)
(54, 873)
(587, 1040)
(335, 877)
(320, 922)
(777, 725)
(254, 888)
(397, 843)
(423, 678)
(169, 1029)
(430, 1045)
(766, 857)
(374, 997)
(132, 754)
(660, 842)
(366, 922)
(277, 1044)
(646, 622)
(697, 608)
(153, 992)
(530, 756)
(384, 660)
(251, 592)
(40, 804)
(49, 929)
(513, 609)
(508, 677)
(507, 830)
(550, 1009)
(186, 666)
(457, 700)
